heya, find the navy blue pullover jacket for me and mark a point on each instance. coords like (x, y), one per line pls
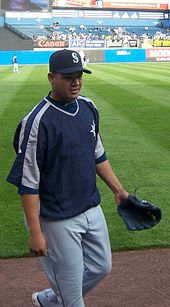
(58, 147)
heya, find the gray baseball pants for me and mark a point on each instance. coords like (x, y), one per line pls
(79, 257)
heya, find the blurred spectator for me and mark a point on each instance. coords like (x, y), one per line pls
(84, 59)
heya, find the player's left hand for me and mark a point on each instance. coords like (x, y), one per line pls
(121, 196)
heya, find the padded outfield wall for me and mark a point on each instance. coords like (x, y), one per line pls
(95, 56)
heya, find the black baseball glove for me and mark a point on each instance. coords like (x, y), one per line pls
(138, 214)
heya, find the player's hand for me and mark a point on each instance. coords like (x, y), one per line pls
(37, 244)
(120, 196)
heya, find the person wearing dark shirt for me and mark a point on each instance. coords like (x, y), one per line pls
(15, 63)
(59, 153)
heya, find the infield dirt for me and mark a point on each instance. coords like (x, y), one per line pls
(138, 279)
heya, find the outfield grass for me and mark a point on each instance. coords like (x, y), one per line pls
(134, 105)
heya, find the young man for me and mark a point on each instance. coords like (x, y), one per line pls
(59, 152)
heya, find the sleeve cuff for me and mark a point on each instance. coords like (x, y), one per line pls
(101, 159)
(26, 190)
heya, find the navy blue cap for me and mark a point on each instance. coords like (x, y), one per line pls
(66, 62)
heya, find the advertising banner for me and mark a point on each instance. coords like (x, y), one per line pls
(86, 43)
(138, 4)
(133, 43)
(161, 43)
(74, 3)
(125, 55)
(44, 43)
(158, 55)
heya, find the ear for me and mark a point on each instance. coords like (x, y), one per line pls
(50, 77)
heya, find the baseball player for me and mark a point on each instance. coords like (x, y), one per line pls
(59, 151)
(15, 63)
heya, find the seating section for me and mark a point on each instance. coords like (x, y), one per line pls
(87, 32)
(117, 32)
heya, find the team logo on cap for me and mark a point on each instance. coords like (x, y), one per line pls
(75, 57)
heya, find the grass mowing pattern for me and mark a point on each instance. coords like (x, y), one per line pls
(134, 104)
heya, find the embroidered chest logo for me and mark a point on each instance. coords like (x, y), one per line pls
(93, 129)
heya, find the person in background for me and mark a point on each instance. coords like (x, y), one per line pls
(59, 154)
(15, 63)
(84, 59)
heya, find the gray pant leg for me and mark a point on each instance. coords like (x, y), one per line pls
(96, 250)
(64, 264)
(79, 257)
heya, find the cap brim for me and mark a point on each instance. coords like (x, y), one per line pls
(72, 70)
(87, 71)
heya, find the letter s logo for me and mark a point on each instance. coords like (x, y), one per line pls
(75, 57)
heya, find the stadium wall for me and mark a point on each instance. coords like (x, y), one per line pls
(112, 22)
(87, 17)
(95, 56)
(11, 41)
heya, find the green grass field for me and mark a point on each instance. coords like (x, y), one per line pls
(134, 105)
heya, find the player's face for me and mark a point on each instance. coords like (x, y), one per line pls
(65, 87)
